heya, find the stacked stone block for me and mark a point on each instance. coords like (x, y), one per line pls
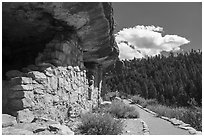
(55, 93)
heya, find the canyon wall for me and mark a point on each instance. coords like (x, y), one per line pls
(53, 58)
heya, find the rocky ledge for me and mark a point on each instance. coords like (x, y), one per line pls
(29, 26)
(40, 126)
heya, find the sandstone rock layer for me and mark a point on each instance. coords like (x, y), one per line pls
(53, 57)
(57, 29)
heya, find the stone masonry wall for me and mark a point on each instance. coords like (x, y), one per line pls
(47, 91)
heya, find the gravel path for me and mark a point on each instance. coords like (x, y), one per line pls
(158, 126)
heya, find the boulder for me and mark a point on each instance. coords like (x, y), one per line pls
(61, 129)
(192, 131)
(25, 116)
(27, 126)
(8, 120)
(40, 129)
(175, 121)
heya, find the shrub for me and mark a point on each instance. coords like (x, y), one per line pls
(132, 114)
(193, 117)
(151, 102)
(143, 102)
(101, 109)
(100, 124)
(121, 110)
(139, 100)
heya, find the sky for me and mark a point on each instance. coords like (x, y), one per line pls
(182, 22)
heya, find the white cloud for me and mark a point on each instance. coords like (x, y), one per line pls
(141, 41)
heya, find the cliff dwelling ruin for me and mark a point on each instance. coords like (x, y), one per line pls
(53, 57)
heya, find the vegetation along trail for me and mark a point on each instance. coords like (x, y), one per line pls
(159, 126)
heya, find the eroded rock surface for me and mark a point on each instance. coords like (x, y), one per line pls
(53, 58)
(32, 28)
(39, 126)
(8, 120)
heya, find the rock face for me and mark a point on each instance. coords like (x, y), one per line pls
(39, 126)
(8, 120)
(58, 33)
(53, 57)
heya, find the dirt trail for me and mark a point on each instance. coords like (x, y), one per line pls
(159, 126)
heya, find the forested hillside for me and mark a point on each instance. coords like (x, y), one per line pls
(175, 80)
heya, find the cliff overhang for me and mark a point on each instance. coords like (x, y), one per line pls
(28, 28)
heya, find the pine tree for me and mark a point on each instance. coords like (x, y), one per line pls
(175, 78)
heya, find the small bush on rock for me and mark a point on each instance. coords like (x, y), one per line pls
(100, 124)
